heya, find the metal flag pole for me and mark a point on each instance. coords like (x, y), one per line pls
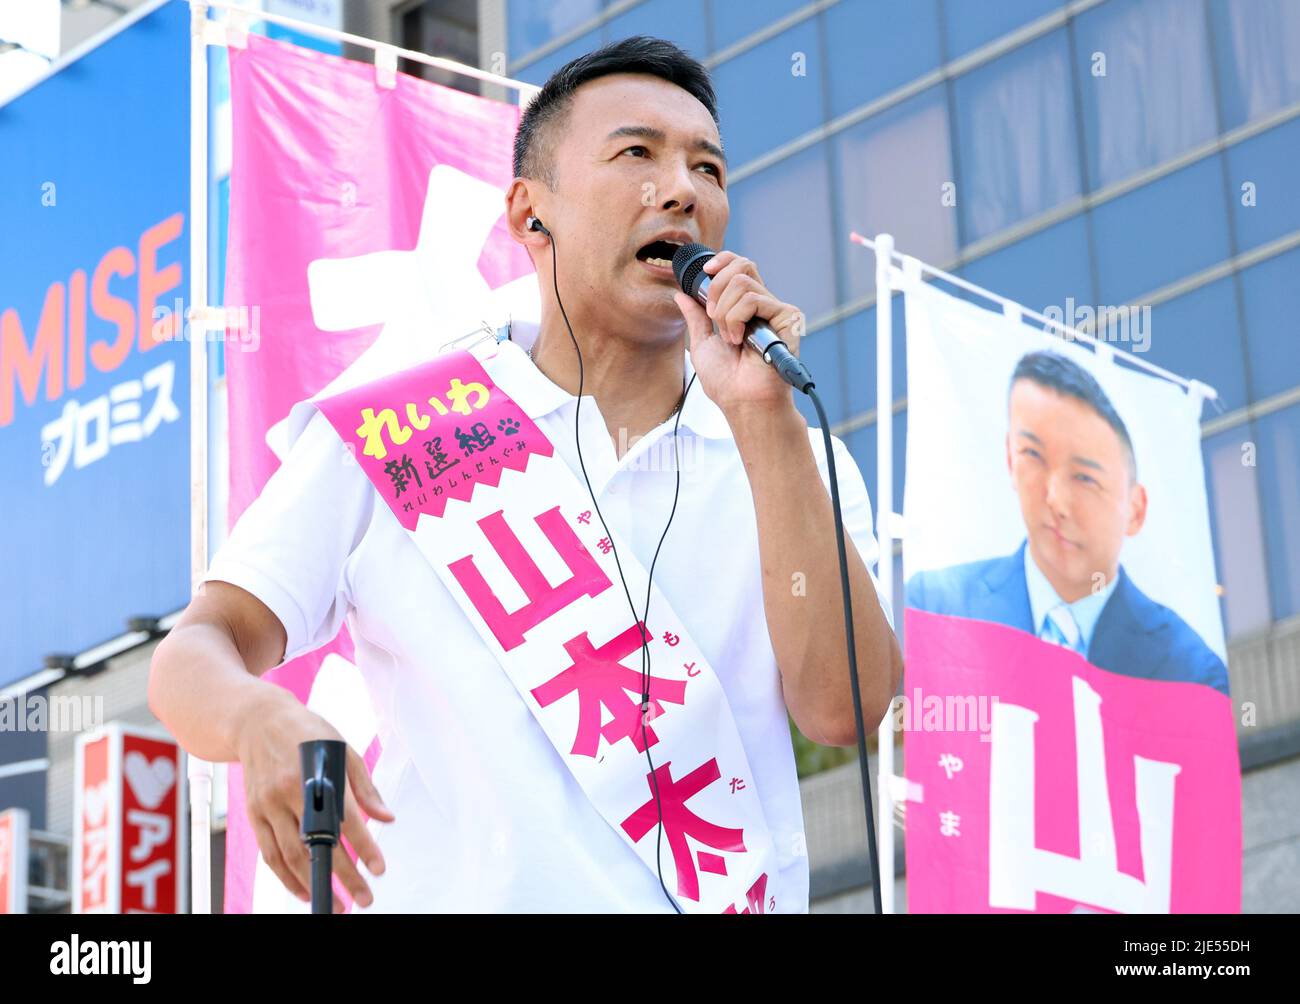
(885, 536)
(199, 771)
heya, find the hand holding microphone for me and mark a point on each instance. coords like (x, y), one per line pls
(733, 293)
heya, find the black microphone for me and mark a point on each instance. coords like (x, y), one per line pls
(688, 267)
(324, 781)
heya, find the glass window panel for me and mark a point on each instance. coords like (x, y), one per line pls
(1163, 231)
(891, 170)
(1017, 150)
(1049, 268)
(821, 353)
(1233, 489)
(451, 30)
(26, 791)
(530, 24)
(863, 62)
(737, 19)
(1155, 99)
(862, 444)
(972, 23)
(540, 71)
(1278, 458)
(763, 81)
(860, 357)
(1270, 206)
(679, 21)
(781, 219)
(1198, 335)
(1272, 298)
(18, 745)
(1257, 46)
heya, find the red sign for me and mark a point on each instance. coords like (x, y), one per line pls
(151, 822)
(127, 851)
(92, 832)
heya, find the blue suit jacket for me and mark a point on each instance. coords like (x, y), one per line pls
(1134, 635)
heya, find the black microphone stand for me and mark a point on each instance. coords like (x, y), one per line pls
(323, 770)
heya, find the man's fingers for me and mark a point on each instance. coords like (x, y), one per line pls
(754, 304)
(270, 848)
(727, 287)
(731, 320)
(713, 268)
(719, 261)
(367, 794)
(698, 325)
(793, 335)
(292, 849)
(351, 878)
(354, 828)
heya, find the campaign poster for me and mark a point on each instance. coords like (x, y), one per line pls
(1069, 734)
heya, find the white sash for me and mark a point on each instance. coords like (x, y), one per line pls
(528, 562)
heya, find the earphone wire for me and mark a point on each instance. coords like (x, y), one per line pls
(645, 649)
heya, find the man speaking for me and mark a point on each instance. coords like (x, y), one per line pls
(495, 562)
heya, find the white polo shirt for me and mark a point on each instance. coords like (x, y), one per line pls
(488, 816)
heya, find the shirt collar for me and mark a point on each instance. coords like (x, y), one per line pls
(1042, 598)
(538, 395)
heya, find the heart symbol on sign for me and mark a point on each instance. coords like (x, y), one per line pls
(149, 781)
(96, 805)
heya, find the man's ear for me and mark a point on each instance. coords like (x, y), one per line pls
(1007, 443)
(1137, 515)
(519, 207)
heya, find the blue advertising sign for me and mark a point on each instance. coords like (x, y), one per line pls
(94, 372)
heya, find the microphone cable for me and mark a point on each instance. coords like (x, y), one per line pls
(863, 764)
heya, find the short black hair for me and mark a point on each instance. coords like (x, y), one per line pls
(1065, 376)
(545, 114)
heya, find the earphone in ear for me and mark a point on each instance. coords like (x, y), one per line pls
(535, 224)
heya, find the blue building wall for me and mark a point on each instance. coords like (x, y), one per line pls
(1120, 151)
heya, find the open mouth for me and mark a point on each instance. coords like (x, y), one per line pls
(659, 253)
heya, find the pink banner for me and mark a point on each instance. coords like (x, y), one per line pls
(1047, 784)
(335, 172)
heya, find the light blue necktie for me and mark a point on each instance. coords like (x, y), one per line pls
(1060, 628)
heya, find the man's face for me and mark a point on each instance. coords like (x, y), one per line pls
(616, 193)
(1077, 497)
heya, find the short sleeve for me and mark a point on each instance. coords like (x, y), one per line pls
(855, 505)
(291, 546)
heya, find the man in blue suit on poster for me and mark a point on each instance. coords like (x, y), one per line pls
(1073, 467)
